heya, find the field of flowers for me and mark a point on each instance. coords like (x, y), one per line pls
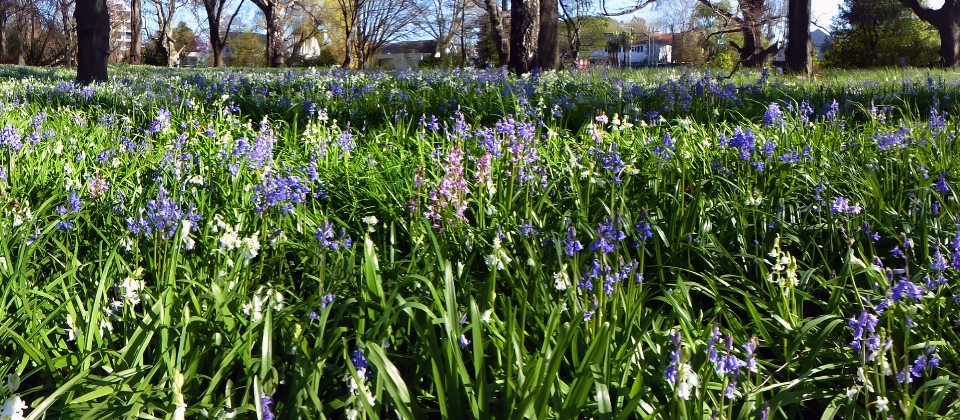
(331, 244)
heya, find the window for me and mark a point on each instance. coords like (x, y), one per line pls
(641, 48)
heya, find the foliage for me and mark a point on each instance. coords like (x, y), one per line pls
(247, 49)
(609, 244)
(880, 33)
(592, 35)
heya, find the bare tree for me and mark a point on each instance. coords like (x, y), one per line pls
(368, 25)
(575, 14)
(548, 47)
(274, 12)
(947, 21)
(497, 28)
(136, 31)
(749, 21)
(218, 34)
(443, 20)
(165, 11)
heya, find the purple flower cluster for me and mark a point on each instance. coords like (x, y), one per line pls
(728, 364)
(893, 140)
(325, 236)
(842, 206)
(941, 185)
(666, 149)
(447, 203)
(570, 244)
(773, 117)
(609, 235)
(257, 155)
(866, 340)
(10, 138)
(743, 141)
(674, 367)
(160, 123)
(925, 362)
(267, 403)
(162, 215)
(281, 191)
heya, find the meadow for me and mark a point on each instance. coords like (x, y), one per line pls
(469, 244)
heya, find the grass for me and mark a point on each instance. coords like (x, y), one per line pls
(322, 243)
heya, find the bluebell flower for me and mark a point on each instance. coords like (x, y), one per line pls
(773, 117)
(608, 236)
(326, 300)
(464, 342)
(941, 185)
(267, 403)
(588, 315)
(570, 244)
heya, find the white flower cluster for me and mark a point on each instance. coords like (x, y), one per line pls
(13, 407)
(231, 240)
(355, 389)
(263, 298)
(687, 381)
(498, 257)
(783, 263)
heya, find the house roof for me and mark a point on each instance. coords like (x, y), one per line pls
(658, 38)
(422, 47)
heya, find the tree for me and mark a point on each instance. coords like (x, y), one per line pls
(749, 21)
(586, 34)
(497, 29)
(165, 11)
(548, 49)
(368, 25)
(443, 20)
(273, 14)
(524, 33)
(799, 52)
(247, 49)
(136, 31)
(626, 42)
(946, 20)
(861, 33)
(218, 36)
(93, 40)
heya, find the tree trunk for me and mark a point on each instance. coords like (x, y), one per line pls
(136, 29)
(548, 48)
(949, 31)
(947, 21)
(499, 34)
(798, 56)
(524, 33)
(4, 13)
(65, 15)
(93, 40)
(275, 50)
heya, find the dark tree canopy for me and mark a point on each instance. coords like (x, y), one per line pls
(863, 36)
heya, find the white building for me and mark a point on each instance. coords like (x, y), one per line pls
(120, 34)
(644, 52)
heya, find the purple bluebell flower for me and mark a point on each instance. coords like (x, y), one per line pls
(267, 403)
(941, 185)
(326, 300)
(674, 367)
(570, 244)
(464, 341)
(773, 117)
